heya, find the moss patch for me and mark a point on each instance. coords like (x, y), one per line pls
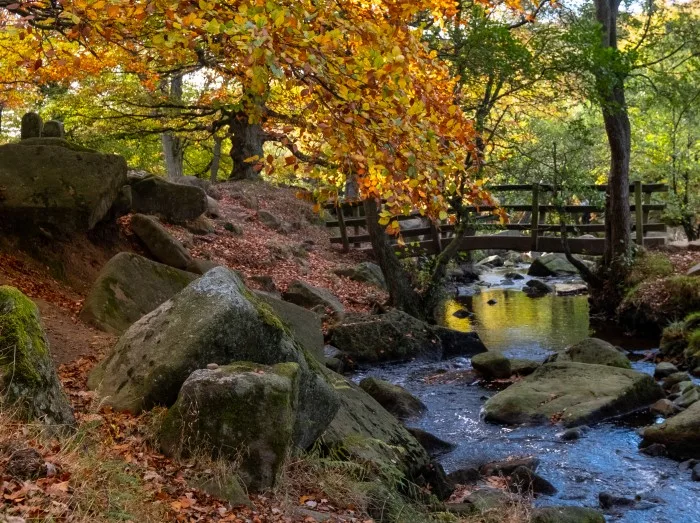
(647, 266)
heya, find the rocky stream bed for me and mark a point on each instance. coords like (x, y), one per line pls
(605, 459)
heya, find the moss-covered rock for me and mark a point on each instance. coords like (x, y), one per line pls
(680, 434)
(567, 515)
(160, 243)
(393, 335)
(492, 365)
(692, 351)
(572, 393)
(593, 350)
(215, 319)
(551, 265)
(673, 340)
(57, 188)
(393, 398)
(244, 412)
(28, 380)
(173, 202)
(128, 287)
(364, 431)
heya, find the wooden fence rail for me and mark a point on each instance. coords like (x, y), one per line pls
(430, 238)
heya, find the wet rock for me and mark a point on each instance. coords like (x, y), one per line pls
(29, 385)
(523, 367)
(562, 391)
(493, 261)
(655, 449)
(25, 464)
(664, 369)
(572, 434)
(511, 275)
(492, 302)
(491, 365)
(534, 288)
(367, 272)
(524, 481)
(695, 475)
(308, 296)
(592, 350)
(173, 202)
(128, 287)
(215, 319)
(394, 398)
(570, 289)
(680, 434)
(664, 407)
(608, 501)
(464, 476)
(674, 379)
(688, 465)
(507, 467)
(243, 412)
(393, 335)
(566, 515)
(481, 501)
(688, 397)
(551, 265)
(461, 314)
(458, 343)
(160, 243)
(433, 445)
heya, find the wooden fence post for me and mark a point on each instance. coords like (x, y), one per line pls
(535, 219)
(639, 213)
(435, 233)
(343, 229)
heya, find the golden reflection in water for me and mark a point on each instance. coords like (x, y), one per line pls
(552, 322)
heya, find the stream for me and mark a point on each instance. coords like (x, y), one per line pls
(605, 459)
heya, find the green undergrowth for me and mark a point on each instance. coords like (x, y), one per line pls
(648, 266)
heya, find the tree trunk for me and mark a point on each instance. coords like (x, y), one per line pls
(246, 142)
(173, 145)
(610, 83)
(216, 159)
(401, 292)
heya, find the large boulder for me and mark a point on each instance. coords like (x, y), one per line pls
(551, 265)
(160, 243)
(573, 393)
(680, 434)
(243, 411)
(215, 319)
(51, 184)
(28, 380)
(308, 296)
(593, 350)
(366, 432)
(367, 272)
(394, 398)
(393, 335)
(304, 325)
(128, 287)
(458, 343)
(174, 202)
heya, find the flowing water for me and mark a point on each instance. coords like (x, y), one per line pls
(606, 459)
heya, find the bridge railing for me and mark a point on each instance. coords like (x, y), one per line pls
(429, 238)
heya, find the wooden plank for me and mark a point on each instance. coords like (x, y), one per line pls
(343, 230)
(638, 215)
(535, 216)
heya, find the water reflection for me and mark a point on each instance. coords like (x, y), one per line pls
(519, 324)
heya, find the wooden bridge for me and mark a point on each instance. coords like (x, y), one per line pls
(536, 234)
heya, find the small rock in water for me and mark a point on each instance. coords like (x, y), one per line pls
(664, 407)
(492, 302)
(655, 450)
(523, 480)
(511, 275)
(212, 366)
(664, 369)
(608, 501)
(461, 314)
(696, 473)
(572, 434)
(687, 465)
(507, 466)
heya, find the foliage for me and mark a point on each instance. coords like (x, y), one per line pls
(648, 265)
